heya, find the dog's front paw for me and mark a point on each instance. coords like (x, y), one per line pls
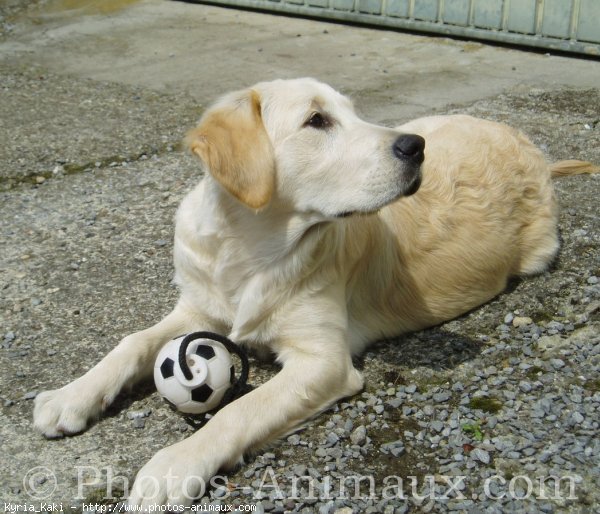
(64, 411)
(174, 477)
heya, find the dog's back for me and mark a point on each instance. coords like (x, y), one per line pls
(485, 211)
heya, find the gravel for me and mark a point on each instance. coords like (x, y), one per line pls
(521, 409)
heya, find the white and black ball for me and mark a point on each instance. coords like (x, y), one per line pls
(212, 370)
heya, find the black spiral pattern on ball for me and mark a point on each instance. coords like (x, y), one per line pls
(240, 386)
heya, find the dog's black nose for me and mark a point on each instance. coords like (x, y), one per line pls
(409, 147)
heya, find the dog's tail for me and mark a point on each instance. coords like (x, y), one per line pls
(572, 167)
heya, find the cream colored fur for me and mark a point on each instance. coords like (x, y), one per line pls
(298, 240)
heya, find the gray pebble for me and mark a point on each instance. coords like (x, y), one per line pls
(458, 386)
(577, 417)
(327, 508)
(321, 452)
(441, 397)
(396, 448)
(555, 325)
(394, 403)
(139, 423)
(268, 506)
(525, 386)
(359, 436)
(480, 455)
(138, 414)
(220, 491)
(300, 470)
(31, 395)
(332, 438)
(348, 425)
(437, 426)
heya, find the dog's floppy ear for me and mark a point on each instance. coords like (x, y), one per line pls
(232, 142)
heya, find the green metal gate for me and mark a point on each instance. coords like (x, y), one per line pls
(566, 25)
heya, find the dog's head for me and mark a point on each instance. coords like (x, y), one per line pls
(299, 143)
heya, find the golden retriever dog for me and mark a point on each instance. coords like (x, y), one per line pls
(312, 234)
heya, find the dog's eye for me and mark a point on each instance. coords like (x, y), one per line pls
(318, 121)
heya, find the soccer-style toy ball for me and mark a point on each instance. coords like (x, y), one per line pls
(212, 370)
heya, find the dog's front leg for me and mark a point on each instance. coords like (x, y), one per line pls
(311, 379)
(68, 410)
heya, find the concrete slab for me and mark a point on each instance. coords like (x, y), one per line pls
(55, 124)
(203, 50)
(93, 105)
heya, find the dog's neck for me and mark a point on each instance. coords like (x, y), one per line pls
(264, 237)
(252, 258)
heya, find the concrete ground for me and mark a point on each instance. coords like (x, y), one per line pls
(94, 101)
